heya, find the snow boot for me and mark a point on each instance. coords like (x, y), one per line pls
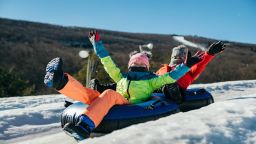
(54, 76)
(76, 132)
(86, 123)
(79, 127)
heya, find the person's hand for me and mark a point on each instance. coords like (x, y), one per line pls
(190, 61)
(216, 48)
(93, 36)
(97, 44)
(199, 54)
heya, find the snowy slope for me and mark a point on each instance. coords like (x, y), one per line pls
(231, 119)
(20, 116)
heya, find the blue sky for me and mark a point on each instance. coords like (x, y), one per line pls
(233, 20)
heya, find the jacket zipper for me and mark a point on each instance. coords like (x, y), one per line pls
(128, 88)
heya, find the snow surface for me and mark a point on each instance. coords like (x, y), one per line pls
(231, 119)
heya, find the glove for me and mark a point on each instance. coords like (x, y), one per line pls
(190, 61)
(97, 44)
(173, 92)
(216, 47)
(94, 37)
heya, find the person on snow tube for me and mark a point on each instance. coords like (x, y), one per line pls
(135, 86)
(176, 91)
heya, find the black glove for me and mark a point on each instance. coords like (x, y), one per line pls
(173, 92)
(216, 47)
(190, 61)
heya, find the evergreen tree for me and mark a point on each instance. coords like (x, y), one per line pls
(12, 85)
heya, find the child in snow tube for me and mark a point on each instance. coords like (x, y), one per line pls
(176, 91)
(135, 86)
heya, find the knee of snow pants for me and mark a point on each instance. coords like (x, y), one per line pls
(75, 90)
(102, 104)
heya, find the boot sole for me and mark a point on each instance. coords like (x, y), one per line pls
(51, 67)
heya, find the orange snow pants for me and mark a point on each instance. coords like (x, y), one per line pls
(99, 104)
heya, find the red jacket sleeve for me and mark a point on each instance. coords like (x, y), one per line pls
(190, 76)
(194, 72)
(198, 68)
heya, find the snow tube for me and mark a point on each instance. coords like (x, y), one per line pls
(158, 106)
(195, 99)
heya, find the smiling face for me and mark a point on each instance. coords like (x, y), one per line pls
(179, 55)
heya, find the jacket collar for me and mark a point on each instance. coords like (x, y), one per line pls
(138, 69)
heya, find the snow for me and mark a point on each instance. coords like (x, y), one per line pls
(231, 119)
(182, 40)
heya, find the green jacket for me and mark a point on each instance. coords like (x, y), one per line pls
(136, 86)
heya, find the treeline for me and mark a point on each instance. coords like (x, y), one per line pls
(26, 48)
(11, 84)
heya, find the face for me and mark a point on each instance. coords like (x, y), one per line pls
(138, 65)
(179, 55)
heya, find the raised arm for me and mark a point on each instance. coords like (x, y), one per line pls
(110, 67)
(214, 49)
(169, 77)
(175, 74)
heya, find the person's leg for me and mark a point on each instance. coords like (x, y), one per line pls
(54, 76)
(66, 84)
(75, 90)
(101, 105)
(95, 112)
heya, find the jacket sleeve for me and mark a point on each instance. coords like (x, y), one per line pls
(110, 67)
(198, 68)
(169, 77)
(100, 50)
(164, 69)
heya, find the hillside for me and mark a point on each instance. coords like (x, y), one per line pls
(26, 47)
